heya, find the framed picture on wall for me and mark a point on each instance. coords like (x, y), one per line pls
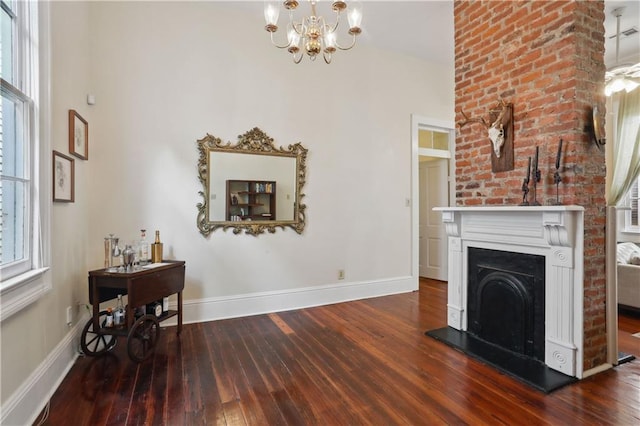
(63, 178)
(78, 135)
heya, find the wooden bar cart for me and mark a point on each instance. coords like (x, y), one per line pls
(145, 286)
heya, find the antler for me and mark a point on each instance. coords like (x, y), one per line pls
(468, 120)
(503, 110)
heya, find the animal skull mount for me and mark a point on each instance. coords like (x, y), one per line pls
(496, 134)
(500, 133)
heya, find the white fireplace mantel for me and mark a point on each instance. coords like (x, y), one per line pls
(555, 232)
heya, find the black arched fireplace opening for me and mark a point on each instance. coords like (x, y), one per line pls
(505, 305)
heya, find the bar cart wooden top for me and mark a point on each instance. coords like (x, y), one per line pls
(142, 286)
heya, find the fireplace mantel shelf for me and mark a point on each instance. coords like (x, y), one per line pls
(511, 208)
(555, 232)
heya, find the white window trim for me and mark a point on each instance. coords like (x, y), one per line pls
(26, 263)
(20, 291)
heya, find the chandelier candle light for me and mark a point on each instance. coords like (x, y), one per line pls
(312, 34)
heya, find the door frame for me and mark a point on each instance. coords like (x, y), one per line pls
(420, 122)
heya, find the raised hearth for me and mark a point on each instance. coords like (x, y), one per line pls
(553, 233)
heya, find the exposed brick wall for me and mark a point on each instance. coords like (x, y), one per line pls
(545, 57)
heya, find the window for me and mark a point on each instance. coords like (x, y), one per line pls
(23, 171)
(631, 223)
(16, 182)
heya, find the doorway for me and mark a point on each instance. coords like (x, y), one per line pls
(433, 174)
(433, 186)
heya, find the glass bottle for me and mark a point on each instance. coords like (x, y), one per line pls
(144, 248)
(156, 249)
(108, 260)
(118, 317)
(108, 323)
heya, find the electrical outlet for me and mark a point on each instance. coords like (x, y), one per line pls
(341, 274)
(69, 315)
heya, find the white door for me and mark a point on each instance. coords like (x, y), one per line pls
(434, 188)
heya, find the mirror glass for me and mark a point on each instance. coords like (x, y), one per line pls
(251, 186)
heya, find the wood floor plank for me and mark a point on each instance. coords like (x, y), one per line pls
(141, 403)
(174, 399)
(365, 362)
(333, 356)
(248, 385)
(305, 385)
(216, 342)
(209, 403)
(270, 367)
(398, 373)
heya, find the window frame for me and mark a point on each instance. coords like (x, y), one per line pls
(25, 263)
(31, 53)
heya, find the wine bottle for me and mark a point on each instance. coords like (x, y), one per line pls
(156, 249)
(144, 248)
(155, 308)
(118, 316)
(109, 320)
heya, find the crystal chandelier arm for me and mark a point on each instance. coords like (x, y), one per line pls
(283, 46)
(353, 43)
(333, 30)
(335, 26)
(296, 60)
(299, 27)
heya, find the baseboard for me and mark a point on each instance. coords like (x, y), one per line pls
(596, 370)
(26, 403)
(211, 309)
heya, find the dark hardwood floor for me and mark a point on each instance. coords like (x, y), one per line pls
(362, 362)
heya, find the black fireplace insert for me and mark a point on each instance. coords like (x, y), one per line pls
(506, 317)
(505, 300)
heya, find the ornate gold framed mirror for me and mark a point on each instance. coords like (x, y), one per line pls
(251, 185)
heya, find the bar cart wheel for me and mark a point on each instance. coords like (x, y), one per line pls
(143, 337)
(94, 344)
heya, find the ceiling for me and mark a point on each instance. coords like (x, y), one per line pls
(419, 28)
(629, 45)
(425, 28)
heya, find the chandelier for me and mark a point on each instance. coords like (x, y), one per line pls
(621, 77)
(312, 34)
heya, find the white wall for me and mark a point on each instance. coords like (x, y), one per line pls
(31, 335)
(164, 74)
(163, 82)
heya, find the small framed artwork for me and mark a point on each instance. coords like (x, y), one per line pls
(63, 178)
(78, 135)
